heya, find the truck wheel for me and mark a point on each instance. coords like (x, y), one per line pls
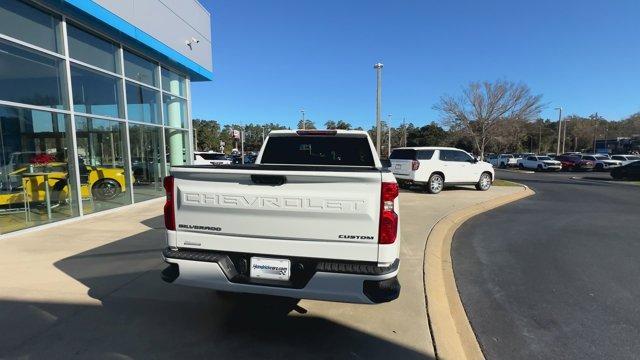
(484, 183)
(105, 189)
(435, 184)
(520, 166)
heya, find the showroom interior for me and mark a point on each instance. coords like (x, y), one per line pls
(91, 117)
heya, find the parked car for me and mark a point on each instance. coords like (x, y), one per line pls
(324, 221)
(521, 156)
(503, 160)
(575, 163)
(210, 158)
(625, 159)
(102, 183)
(602, 162)
(630, 171)
(436, 167)
(540, 163)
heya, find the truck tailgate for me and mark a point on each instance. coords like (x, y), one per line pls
(297, 213)
(401, 167)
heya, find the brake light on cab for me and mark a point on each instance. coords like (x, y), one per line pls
(388, 228)
(169, 209)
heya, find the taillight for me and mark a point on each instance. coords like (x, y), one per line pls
(388, 228)
(169, 209)
(415, 165)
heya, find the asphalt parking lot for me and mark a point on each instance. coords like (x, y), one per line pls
(554, 275)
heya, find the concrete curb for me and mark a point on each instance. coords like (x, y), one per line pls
(450, 328)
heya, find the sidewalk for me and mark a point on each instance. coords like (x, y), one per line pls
(92, 288)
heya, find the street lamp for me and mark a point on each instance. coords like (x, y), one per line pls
(304, 123)
(389, 125)
(559, 128)
(378, 67)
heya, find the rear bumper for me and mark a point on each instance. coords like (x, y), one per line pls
(328, 281)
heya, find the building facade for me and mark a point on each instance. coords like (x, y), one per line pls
(94, 102)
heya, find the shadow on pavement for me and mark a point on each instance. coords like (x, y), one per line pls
(143, 317)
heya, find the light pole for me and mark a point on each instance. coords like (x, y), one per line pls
(605, 140)
(595, 131)
(378, 67)
(242, 145)
(540, 137)
(559, 128)
(404, 128)
(564, 134)
(389, 125)
(304, 123)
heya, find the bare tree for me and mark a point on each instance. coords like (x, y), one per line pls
(483, 105)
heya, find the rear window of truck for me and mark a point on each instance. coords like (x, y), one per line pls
(318, 150)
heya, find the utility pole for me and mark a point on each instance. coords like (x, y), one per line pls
(404, 128)
(605, 140)
(378, 67)
(559, 128)
(304, 123)
(389, 125)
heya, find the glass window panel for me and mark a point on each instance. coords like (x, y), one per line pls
(30, 77)
(36, 171)
(94, 92)
(142, 104)
(91, 49)
(29, 24)
(173, 83)
(146, 161)
(101, 160)
(176, 146)
(175, 111)
(139, 69)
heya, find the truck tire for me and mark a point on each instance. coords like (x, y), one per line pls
(521, 166)
(435, 184)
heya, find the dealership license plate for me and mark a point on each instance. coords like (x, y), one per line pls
(270, 269)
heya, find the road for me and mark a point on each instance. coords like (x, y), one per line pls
(554, 276)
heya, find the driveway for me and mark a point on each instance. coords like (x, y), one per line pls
(554, 276)
(92, 289)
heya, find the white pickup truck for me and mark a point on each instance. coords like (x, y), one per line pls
(315, 217)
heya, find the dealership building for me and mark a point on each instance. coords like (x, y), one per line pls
(94, 102)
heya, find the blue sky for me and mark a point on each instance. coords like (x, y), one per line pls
(273, 57)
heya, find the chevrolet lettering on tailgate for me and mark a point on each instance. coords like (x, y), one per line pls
(296, 203)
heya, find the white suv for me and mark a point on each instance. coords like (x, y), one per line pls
(435, 167)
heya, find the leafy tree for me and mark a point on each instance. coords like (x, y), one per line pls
(309, 124)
